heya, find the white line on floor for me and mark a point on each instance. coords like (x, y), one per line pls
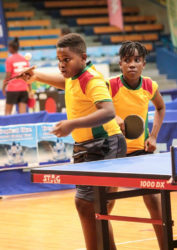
(128, 242)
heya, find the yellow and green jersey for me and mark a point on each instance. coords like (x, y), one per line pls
(129, 101)
(82, 92)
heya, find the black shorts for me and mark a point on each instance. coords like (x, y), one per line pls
(15, 97)
(94, 150)
(138, 152)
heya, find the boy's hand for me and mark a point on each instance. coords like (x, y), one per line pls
(150, 144)
(121, 124)
(63, 128)
(27, 74)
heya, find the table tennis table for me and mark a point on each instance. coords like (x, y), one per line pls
(147, 174)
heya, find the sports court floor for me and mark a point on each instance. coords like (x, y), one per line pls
(49, 221)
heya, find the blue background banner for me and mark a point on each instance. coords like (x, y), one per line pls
(3, 28)
(168, 133)
(19, 182)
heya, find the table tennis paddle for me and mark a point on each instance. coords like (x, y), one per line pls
(31, 102)
(25, 71)
(134, 126)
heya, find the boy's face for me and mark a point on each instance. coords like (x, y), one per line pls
(132, 67)
(70, 63)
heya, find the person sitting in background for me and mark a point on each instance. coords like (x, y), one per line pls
(15, 90)
(65, 31)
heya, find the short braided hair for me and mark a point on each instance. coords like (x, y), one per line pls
(128, 49)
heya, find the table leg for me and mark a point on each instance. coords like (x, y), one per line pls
(167, 220)
(101, 225)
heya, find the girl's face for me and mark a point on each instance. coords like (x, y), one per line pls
(10, 49)
(132, 66)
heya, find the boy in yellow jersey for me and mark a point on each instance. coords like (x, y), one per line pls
(90, 113)
(131, 93)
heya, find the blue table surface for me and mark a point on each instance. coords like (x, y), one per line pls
(153, 164)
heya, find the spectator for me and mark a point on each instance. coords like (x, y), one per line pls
(65, 31)
(15, 90)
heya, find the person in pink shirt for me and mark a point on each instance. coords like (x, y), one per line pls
(16, 90)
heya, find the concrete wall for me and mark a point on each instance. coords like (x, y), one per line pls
(166, 62)
(149, 8)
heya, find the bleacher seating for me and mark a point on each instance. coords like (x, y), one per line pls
(64, 4)
(19, 14)
(35, 34)
(105, 20)
(3, 55)
(91, 17)
(111, 29)
(135, 37)
(88, 16)
(148, 27)
(28, 23)
(83, 12)
(95, 11)
(127, 28)
(139, 19)
(10, 5)
(42, 43)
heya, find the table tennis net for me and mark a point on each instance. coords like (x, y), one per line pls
(174, 162)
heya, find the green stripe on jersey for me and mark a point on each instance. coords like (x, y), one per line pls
(99, 132)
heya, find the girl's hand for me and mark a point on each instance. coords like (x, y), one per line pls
(121, 124)
(150, 144)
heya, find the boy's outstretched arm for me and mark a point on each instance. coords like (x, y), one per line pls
(104, 113)
(54, 79)
(150, 143)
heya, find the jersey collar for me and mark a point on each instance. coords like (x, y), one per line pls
(127, 86)
(88, 65)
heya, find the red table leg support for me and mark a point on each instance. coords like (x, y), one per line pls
(126, 218)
